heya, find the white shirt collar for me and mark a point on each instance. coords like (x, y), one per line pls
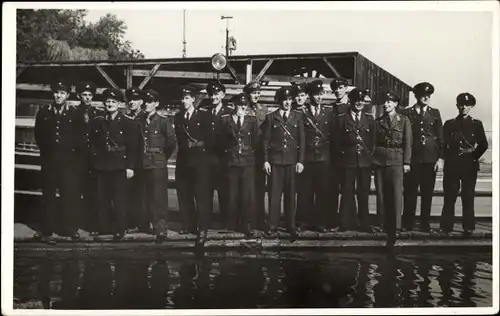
(236, 117)
(190, 111)
(419, 108)
(315, 109)
(283, 111)
(353, 114)
(218, 108)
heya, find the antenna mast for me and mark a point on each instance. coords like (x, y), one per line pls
(184, 33)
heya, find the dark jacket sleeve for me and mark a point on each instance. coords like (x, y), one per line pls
(302, 139)
(407, 141)
(266, 137)
(208, 131)
(170, 139)
(255, 134)
(482, 142)
(39, 126)
(446, 138)
(438, 129)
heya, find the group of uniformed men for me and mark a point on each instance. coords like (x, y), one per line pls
(118, 162)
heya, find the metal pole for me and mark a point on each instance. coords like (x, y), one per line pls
(227, 32)
(184, 34)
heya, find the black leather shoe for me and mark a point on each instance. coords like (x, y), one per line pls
(467, 233)
(37, 236)
(161, 237)
(49, 240)
(75, 236)
(293, 235)
(118, 236)
(272, 233)
(321, 229)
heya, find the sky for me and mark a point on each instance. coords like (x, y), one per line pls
(451, 50)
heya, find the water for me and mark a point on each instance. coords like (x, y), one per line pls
(250, 280)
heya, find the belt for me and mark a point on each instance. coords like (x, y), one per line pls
(462, 151)
(115, 149)
(192, 144)
(390, 145)
(154, 150)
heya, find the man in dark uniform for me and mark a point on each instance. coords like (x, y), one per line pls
(284, 151)
(114, 144)
(216, 92)
(339, 88)
(253, 91)
(195, 140)
(135, 103)
(85, 91)
(157, 145)
(392, 159)
(426, 158)
(341, 105)
(313, 194)
(464, 143)
(239, 137)
(300, 96)
(354, 141)
(60, 134)
(136, 217)
(299, 91)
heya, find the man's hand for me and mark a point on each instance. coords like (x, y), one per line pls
(267, 167)
(299, 167)
(406, 168)
(130, 173)
(439, 165)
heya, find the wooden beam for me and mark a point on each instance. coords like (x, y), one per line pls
(150, 75)
(248, 76)
(182, 74)
(332, 68)
(128, 75)
(264, 69)
(107, 77)
(233, 73)
(46, 87)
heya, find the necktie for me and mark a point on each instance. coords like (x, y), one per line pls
(108, 117)
(388, 120)
(214, 112)
(357, 118)
(240, 119)
(187, 116)
(284, 117)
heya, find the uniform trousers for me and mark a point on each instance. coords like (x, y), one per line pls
(313, 195)
(111, 195)
(218, 182)
(137, 215)
(457, 177)
(282, 182)
(155, 197)
(260, 195)
(241, 185)
(66, 178)
(359, 178)
(89, 201)
(423, 175)
(389, 184)
(193, 192)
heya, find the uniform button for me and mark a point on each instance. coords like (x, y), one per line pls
(460, 142)
(421, 122)
(57, 133)
(57, 140)
(57, 127)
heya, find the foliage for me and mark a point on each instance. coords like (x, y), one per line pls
(65, 35)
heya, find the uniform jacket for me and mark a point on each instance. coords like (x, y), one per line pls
(157, 141)
(195, 138)
(216, 125)
(354, 152)
(464, 133)
(279, 147)
(88, 113)
(114, 143)
(259, 112)
(318, 146)
(239, 144)
(61, 137)
(394, 141)
(430, 128)
(339, 108)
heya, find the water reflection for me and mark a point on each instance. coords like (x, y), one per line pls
(190, 281)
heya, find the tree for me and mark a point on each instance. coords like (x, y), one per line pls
(64, 35)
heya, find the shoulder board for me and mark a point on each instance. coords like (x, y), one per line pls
(251, 114)
(225, 115)
(369, 114)
(162, 115)
(203, 109)
(298, 111)
(341, 114)
(230, 106)
(328, 106)
(129, 117)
